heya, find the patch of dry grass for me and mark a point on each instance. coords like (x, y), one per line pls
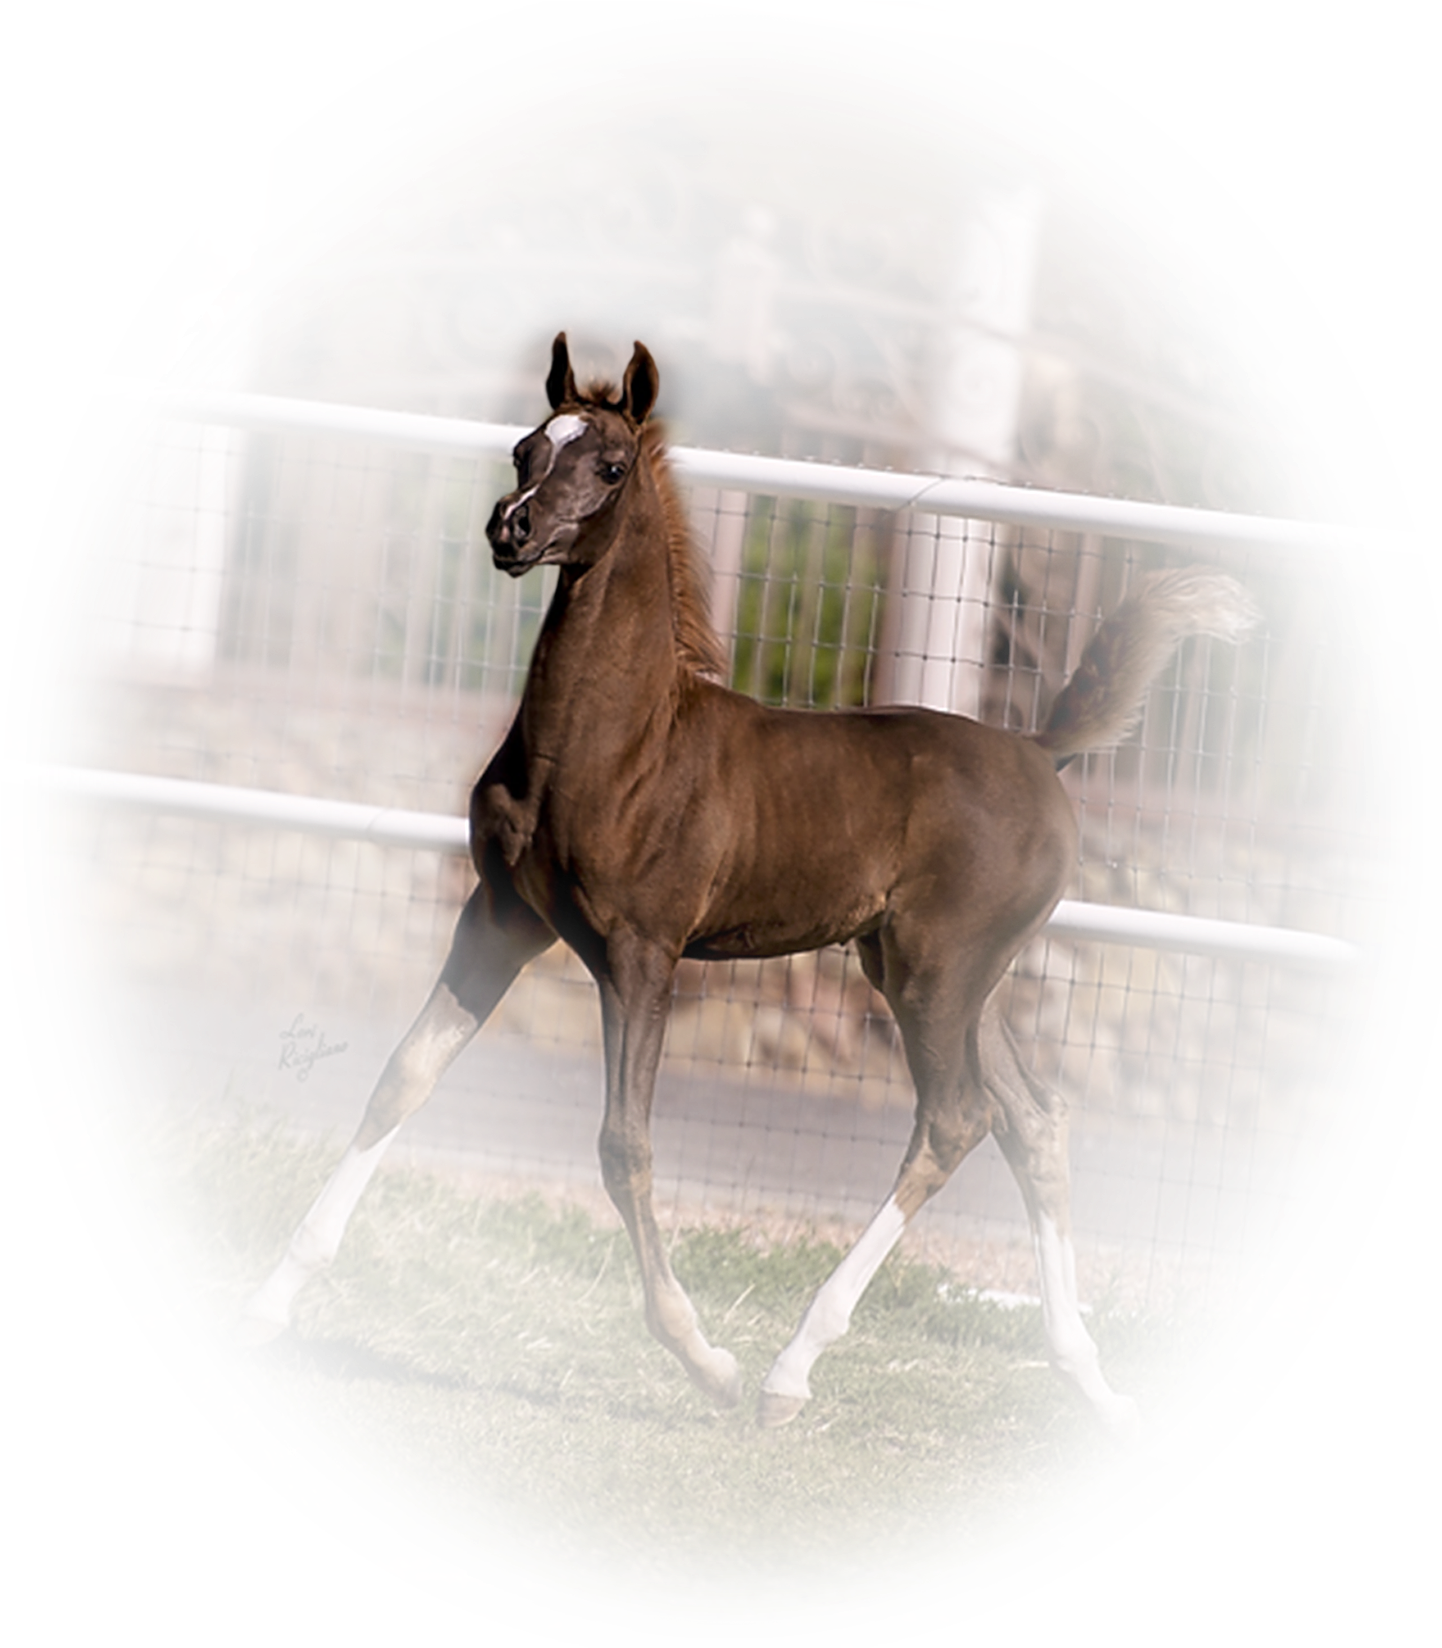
(496, 1347)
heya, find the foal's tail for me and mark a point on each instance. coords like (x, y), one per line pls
(1103, 700)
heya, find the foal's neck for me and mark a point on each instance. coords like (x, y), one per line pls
(606, 663)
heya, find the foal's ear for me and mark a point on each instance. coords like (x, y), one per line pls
(641, 385)
(560, 381)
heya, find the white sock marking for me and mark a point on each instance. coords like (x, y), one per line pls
(829, 1314)
(1073, 1351)
(317, 1240)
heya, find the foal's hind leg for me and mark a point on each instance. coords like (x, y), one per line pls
(486, 954)
(952, 1117)
(1031, 1129)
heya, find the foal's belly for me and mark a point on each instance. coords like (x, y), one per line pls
(755, 941)
(786, 914)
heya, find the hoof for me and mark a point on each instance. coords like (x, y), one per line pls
(774, 1410)
(251, 1332)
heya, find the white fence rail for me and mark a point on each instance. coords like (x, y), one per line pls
(438, 832)
(785, 478)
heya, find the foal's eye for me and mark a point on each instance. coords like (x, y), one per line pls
(612, 472)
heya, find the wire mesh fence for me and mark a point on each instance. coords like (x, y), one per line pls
(317, 614)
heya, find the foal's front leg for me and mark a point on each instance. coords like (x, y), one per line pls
(487, 952)
(635, 992)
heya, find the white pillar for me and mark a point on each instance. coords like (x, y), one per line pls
(946, 574)
(154, 546)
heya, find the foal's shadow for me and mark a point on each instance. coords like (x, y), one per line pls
(347, 1361)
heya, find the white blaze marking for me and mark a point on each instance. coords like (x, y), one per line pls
(559, 432)
(829, 1314)
(314, 1245)
(564, 429)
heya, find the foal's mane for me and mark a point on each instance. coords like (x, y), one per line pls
(698, 647)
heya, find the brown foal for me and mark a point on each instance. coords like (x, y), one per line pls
(641, 812)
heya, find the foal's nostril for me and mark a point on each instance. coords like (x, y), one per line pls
(510, 524)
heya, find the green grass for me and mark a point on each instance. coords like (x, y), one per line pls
(496, 1347)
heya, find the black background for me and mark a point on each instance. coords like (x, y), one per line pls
(1282, 163)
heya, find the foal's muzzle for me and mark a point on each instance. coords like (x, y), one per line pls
(510, 535)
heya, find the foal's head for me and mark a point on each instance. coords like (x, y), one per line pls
(576, 474)
(573, 470)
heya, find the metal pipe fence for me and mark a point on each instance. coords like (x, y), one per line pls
(299, 658)
(439, 832)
